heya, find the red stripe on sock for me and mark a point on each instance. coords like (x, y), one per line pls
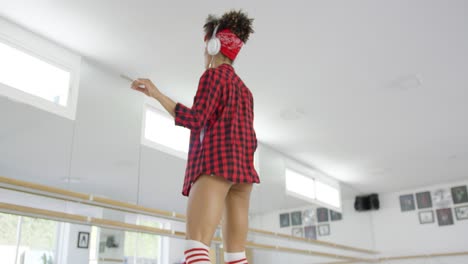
(196, 255)
(193, 249)
(198, 260)
(238, 261)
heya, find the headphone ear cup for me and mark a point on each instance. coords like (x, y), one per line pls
(214, 46)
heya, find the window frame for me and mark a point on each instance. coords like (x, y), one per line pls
(316, 177)
(294, 193)
(48, 52)
(335, 208)
(150, 103)
(19, 235)
(163, 240)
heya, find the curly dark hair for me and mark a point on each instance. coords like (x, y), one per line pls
(236, 21)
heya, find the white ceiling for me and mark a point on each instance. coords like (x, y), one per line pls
(344, 64)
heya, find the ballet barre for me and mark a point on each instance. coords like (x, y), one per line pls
(420, 256)
(57, 193)
(112, 224)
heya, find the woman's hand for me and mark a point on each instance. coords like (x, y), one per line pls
(147, 87)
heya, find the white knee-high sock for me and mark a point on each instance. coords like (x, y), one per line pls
(196, 252)
(235, 258)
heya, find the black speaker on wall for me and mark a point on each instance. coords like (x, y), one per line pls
(367, 202)
(374, 201)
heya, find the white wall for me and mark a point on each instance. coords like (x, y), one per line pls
(354, 230)
(102, 149)
(388, 230)
(401, 233)
(271, 193)
(69, 252)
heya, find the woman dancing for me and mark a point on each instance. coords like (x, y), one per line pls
(220, 169)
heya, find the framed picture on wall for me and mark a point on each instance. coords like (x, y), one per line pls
(83, 240)
(297, 232)
(284, 220)
(324, 230)
(335, 216)
(309, 217)
(322, 214)
(461, 212)
(310, 232)
(407, 203)
(442, 198)
(444, 216)
(426, 217)
(296, 218)
(424, 200)
(459, 194)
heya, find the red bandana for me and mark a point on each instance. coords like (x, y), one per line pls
(230, 43)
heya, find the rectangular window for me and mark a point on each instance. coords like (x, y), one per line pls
(27, 240)
(313, 190)
(299, 185)
(37, 72)
(38, 241)
(142, 248)
(8, 237)
(327, 194)
(34, 76)
(160, 132)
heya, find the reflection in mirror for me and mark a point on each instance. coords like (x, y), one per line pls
(27, 240)
(96, 136)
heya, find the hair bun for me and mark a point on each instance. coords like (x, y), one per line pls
(236, 21)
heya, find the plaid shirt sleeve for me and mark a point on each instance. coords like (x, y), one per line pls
(205, 102)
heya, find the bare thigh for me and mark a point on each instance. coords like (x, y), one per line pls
(236, 217)
(205, 207)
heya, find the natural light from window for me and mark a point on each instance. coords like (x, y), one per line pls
(143, 248)
(312, 189)
(298, 184)
(327, 194)
(28, 240)
(160, 129)
(34, 76)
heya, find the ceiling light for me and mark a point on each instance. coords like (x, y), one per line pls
(406, 82)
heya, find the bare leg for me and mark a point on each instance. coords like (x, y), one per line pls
(236, 217)
(205, 207)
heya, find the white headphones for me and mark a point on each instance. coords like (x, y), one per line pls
(214, 44)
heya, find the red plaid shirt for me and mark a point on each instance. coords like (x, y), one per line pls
(222, 138)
